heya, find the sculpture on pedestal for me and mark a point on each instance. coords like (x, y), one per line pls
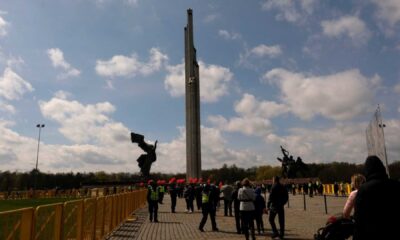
(145, 160)
(290, 167)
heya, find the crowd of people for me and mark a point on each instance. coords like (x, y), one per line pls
(243, 201)
(374, 201)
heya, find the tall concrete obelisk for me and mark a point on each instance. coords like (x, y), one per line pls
(192, 92)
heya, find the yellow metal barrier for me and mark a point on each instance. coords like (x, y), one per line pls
(16, 224)
(92, 218)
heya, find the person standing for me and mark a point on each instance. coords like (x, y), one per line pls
(162, 190)
(377, 204)
(208, 208)
(227, 191)
(153, 195)
(236, 206)
(356, 181)
(260, 208)
(198, 195)
(247, 197)
(173, 193)
(276, 201)
(189, 197)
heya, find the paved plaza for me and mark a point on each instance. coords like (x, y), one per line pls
(300, 224)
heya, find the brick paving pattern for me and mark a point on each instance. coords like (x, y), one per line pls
(300, 224)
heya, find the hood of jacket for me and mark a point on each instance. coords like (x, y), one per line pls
(374, 169)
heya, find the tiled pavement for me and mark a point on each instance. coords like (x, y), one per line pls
(300, 224)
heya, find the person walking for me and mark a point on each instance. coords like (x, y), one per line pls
(153, 196)
(377, 204)
(247, 197)
(276, 201)
(208, 208)
(236, 206)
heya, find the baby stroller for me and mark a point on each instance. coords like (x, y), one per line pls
(336, 228)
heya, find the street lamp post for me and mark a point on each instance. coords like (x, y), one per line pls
(40, 126)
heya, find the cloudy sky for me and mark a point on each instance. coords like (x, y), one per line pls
(304, 74)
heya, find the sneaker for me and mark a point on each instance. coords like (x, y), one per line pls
(215, 229)
(201, 229)
(155, 220)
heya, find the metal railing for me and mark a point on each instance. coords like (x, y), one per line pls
(91, 218)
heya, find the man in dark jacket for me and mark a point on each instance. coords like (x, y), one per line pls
(377, 206)
(276, 201)
(173, 193)
(236, 207)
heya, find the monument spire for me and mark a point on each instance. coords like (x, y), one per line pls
(192, 106)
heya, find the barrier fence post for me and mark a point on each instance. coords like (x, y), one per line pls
(326, 206)
(304, 200)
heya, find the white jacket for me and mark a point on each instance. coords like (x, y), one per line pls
(246, 196)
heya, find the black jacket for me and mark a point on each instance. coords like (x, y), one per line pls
(278, 196)
(377, 206)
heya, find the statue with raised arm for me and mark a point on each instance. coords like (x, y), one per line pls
(145, 160)
(285, 162)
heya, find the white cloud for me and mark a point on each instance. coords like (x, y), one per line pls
(254, 117)
(388, 11)
(3, 27)
(341, 143)
(132, 3)
(57, 59)
(250, 58)
(397, 88)
(214, 81)
(250, 126)
(12, 86)
(84, 123)
(229, 35)
(294, 11)
(122, 66)
(350, 26)
(264, 50)
(339, 96)
(211, 18)
(7, 107)
(214, 151)
(249, 106)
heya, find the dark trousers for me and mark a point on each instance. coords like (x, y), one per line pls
(153, 210)
(161, 197)
(189, 204)
(206, 211)
(259, 221)
(173, 203)
(248, 223)
(281, 216)
(237, 221)
(198, 202)
(227, 207)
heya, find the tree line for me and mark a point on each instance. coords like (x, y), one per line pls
(326, 172)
